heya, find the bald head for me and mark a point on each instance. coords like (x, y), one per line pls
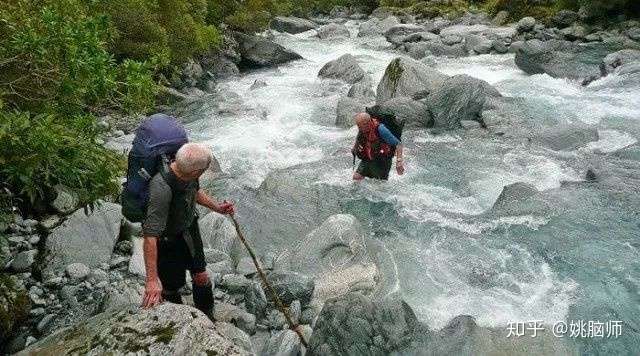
(363, 120)
(192, 158)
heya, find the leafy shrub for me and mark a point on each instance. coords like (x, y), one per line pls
(517, 9)
(40, 151)
(54, 58)
(451, 8)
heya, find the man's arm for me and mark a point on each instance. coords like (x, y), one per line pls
(153, 227)
(207, 201)
(392, 140)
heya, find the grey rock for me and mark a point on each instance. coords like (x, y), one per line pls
(136, 262)
(479, 44)
(513, 194)
(255, 300)
(283, 343)
(235, 283)
(362, 90)
(230, 313)
(565, 18)
(66, 200)
(439, 49)
(222, 267)
(124, 247)
(235, 335)
(87, 239)
(565, 137)
(347, 108)
(97, 276)
(291, 286)
(309, 314)
(218, 233)
(377, 27)
(526, 24)
(246, 267)
(55, 282)
(365, 327)
(295, 311)
(23, 261)
(575, 32)
(345, 68)
(500, 47)
(463, 30)
(339, 11)
(118, 262)
(77, 271)
(451, 39)
(333, 31)
(618, 59)
(257, 84)
(44, 322)
(397, 34)
(122, 295)
(33, 240)
(634, 33)
(215, 256)
(50, 222)
(459, 98)
(191, 74)
(407, 77)
(167, 329)
(276, 320)
(259, 52)
(291, 25)
(563, 59)
(412, 112)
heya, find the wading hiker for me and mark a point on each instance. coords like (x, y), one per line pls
(162, 190)
(378, 140)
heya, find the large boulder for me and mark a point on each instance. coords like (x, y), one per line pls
(412, 112)
(347, 108)
(564, 59)
(336, 255)
(478, 44)
(333, 31)
(218, 233)
(355, 325)
(513, 194)
(345, 68)
(565, 18)
(460, 98)
(376, 27)
(463, 30)
(14, 306)
(408, 77)
(84, 238)
(259, 52)
(291, 24)
(168, 329)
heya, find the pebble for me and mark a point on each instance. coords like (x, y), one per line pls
(50, 222)
(37, 311)
(44, 322)
(30, 340)
(34, 239)
(37, 291)
(77, 271)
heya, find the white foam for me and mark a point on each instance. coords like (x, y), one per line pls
(611, 141)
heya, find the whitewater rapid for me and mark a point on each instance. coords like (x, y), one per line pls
(453, 256)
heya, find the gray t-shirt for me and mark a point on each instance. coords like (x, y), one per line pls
(170, 212)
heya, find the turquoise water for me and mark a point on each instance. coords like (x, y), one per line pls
(568, 253)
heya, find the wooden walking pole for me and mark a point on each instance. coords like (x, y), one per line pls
(272, 291)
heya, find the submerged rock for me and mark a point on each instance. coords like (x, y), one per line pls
(618, 59)
(345, 68)
(397, 34)
(513, 194)
(167, 329)
(376, 27)
(407, 77)
(87, 239)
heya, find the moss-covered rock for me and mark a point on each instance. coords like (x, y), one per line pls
(517, 9)
(449, 8)
(14, 306)
(168, 329)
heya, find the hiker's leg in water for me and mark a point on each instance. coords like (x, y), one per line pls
(361, 171)
(172, 270)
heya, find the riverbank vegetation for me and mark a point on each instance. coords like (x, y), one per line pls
(63, 63)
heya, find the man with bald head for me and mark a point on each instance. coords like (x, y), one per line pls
(172, 242)
(376, 146)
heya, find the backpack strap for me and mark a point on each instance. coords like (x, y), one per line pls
(165, 172)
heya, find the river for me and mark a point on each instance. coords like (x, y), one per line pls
(572, 253)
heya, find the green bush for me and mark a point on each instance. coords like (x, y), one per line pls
(41, 151)
(518, 9)
(54, 58)
(451, 8)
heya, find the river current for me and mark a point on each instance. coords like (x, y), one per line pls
(572, 254)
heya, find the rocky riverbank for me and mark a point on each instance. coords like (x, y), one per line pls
(77, 275)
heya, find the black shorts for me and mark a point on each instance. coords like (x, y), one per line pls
(377, 168)
(175, 259)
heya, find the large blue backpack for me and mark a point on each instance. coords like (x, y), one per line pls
(156, 142)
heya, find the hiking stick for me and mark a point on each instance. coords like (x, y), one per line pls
(272, 291)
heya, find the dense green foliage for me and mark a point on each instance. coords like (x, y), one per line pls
(518, 9)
